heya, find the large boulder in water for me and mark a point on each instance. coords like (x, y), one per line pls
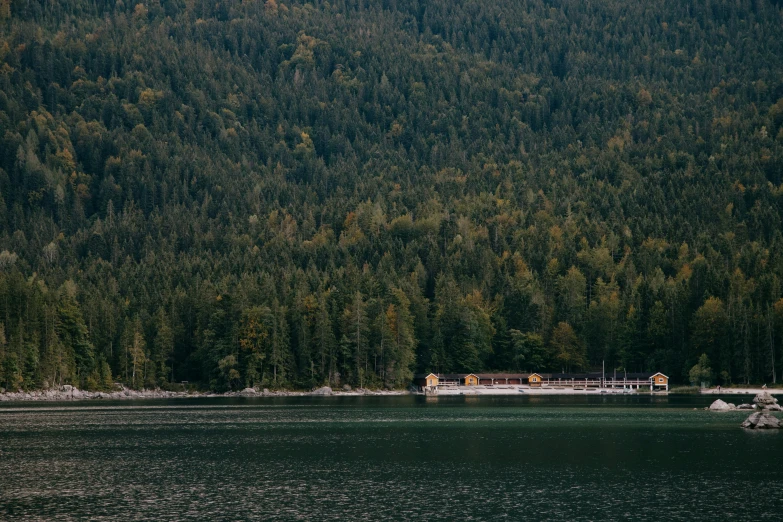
(765, 400)
(719, 405)
(746, 407)
(761, 421)
(326, 390)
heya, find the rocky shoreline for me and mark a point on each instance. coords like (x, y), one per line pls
(71, 393)
(763, 406)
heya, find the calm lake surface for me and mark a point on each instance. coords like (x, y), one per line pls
(387, 458)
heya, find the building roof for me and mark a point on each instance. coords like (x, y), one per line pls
(619, 376)
(598, 375)
(503, 375)
(629, 375)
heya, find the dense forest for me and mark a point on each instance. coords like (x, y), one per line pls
(283, 194)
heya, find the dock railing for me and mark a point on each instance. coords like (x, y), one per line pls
(571, 383)
(595, 383)
(625, 383)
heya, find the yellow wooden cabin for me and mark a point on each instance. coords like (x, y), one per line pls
(535, 380)
(659, 380)
(431, 380)
(471, 380)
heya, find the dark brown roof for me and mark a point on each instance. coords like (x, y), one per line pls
(503, 375)
(630, 375)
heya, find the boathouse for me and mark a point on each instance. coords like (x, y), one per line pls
(426, 380)
(658, 381)
(655, 381)
(535, 380)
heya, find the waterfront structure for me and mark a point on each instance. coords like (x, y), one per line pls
(659, 381)
(494, 379)
(471, 379)
(654, 381)
(535, 380)
(428, 381)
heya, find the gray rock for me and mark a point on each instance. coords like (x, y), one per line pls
(248, 391)
(746, 407)
(76, 393)
(66, 388)
(347, 387)
(761, 421)
(326, 390)
(719, 405)
(773, 407)
(764, 399)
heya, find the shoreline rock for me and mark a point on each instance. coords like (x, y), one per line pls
(720, 405)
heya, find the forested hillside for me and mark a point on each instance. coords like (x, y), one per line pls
(289, 194)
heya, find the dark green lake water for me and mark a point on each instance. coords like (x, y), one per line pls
(387, 458)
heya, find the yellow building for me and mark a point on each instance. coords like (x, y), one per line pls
(535, 380)
(471, 380)
(659, 380)
(429, 380)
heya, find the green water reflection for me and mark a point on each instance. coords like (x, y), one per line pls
(387, 458)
